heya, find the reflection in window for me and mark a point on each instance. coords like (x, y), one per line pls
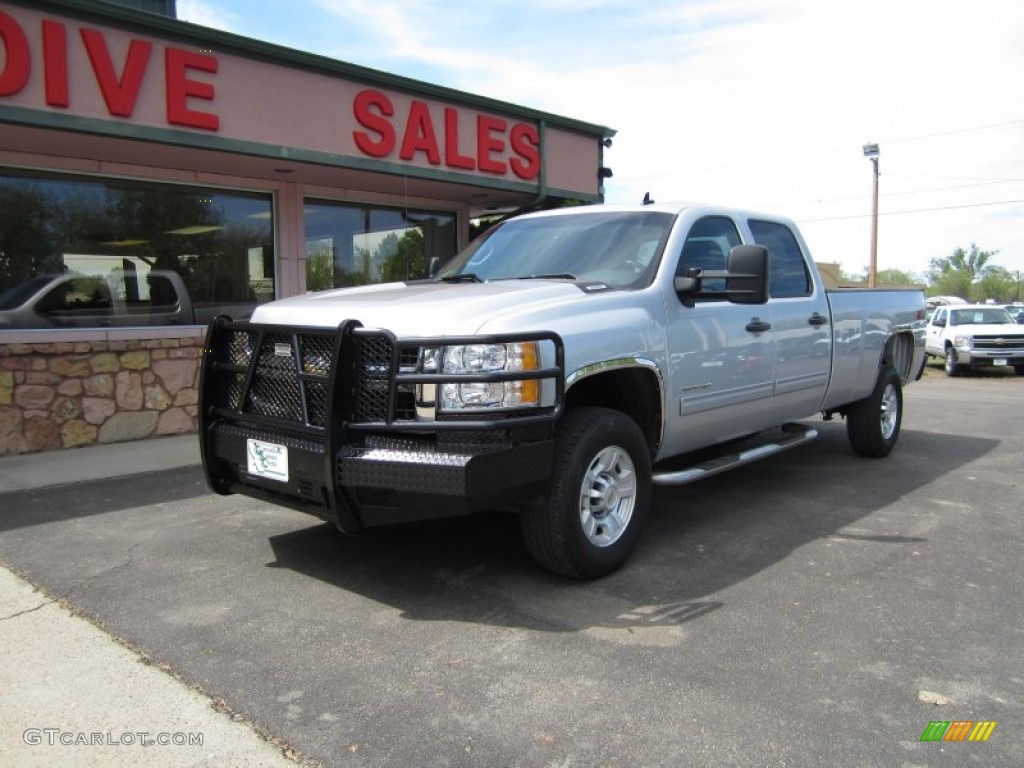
(162, 254)
(349, 244)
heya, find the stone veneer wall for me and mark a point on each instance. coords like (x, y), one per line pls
(63, 394)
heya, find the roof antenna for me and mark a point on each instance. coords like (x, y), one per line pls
(647, 199)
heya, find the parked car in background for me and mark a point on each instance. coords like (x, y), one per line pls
(975, 336)
(1016, 311)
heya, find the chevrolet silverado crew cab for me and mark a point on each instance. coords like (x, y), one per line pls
(562, 365)
(77, 300)
(969, 336)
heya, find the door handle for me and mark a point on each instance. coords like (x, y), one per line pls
(757, 325)
(818, 319)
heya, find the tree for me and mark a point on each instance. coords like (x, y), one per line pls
(319, 265)
(404, 258)
(896, 277)
(999, 284)
(959, 273)
(28, 246)
(974, 261)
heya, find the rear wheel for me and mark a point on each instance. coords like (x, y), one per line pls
(597, 503)
(873, 424)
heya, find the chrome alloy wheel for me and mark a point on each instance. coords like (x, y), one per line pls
(607, 496)
(889, 412)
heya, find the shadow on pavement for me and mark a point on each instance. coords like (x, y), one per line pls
(75, 500)
(700, 540)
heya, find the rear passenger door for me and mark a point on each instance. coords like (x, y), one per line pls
(801, 325)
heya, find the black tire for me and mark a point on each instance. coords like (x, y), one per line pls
(873, 424)
(1019, 370)
(953, 368)
(596, 506)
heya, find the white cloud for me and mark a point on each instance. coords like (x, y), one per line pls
(207, 13)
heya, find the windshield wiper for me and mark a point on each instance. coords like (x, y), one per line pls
(463, 277)
(552, 276)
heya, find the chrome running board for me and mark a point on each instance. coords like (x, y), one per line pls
(795, 435)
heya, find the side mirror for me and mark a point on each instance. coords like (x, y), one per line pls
(746, 278)
(747, 281)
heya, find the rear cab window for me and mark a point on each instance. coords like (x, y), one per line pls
(788, 267)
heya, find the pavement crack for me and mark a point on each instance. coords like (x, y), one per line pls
(17, 614)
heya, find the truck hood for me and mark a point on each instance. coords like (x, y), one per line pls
(424, 308)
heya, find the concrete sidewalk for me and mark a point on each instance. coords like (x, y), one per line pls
(72, 695)
(75, 465)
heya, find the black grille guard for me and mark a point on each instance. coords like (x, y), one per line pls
(334, 386)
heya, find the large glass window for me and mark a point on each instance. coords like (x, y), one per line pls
(87, 252)
(348, 244)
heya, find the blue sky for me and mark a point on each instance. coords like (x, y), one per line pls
(764, 104)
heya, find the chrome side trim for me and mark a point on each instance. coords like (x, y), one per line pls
(620, 363)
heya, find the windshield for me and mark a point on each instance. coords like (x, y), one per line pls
(618, 248)
(986, 316)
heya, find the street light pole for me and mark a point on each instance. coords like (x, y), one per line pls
(871, 152)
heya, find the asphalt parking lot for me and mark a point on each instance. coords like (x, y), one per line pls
(806, 610)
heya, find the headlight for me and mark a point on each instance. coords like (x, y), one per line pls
(472, 359)
(962, 342)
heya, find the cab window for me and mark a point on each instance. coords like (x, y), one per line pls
(707, 247)
(787, 266)
(76, 296)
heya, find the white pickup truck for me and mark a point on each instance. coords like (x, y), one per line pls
(969, 336)
(561, 366)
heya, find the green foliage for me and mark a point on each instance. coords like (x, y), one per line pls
(896, 277)
(970, 274)
(403, 259)
(27, 244)
(998, 284)
(320, 268)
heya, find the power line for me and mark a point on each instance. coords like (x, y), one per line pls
(834, 150)
(956, 132)
(917, 210)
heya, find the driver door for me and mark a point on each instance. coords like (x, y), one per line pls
(721, 360)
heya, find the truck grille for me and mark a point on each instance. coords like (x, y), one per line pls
(994, 343)
(285, 375)
(331, 382)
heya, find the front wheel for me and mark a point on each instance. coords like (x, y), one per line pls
(953, 368)
(873, 424)
(597, 502)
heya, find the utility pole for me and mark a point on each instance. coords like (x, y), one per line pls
(871, 152)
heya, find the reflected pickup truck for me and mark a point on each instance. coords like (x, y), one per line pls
(561, 367)
(77, 300)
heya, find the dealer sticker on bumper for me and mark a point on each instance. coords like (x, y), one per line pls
(268, 460)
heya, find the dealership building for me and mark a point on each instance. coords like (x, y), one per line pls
(135, 148)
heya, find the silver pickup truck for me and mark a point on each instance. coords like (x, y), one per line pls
(77, 300)
(560, 367)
